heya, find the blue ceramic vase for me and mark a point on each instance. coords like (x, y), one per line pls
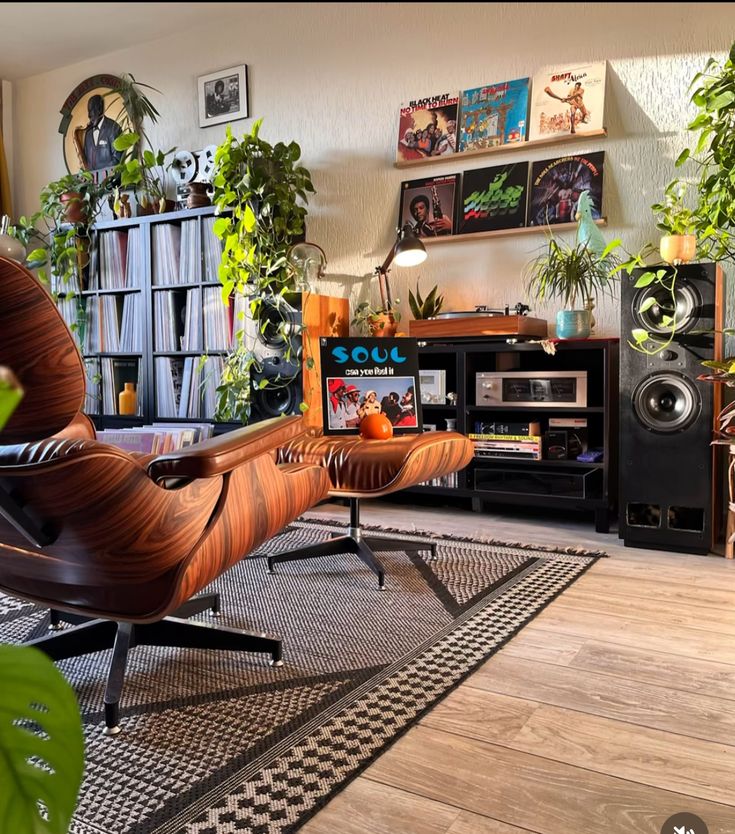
(573, 324)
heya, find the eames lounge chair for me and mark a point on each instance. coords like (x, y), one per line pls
(119, 545)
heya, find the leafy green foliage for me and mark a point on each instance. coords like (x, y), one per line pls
(369, 320)
(41, 744)
(571, 274)
(425, 308)
(674, 216)
(713, 155)
(141, 169)
(260, 191)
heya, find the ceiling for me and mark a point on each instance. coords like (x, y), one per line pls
(38, 37)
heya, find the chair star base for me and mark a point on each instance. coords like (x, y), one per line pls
(87, 636)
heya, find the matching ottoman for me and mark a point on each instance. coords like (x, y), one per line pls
(369, 469)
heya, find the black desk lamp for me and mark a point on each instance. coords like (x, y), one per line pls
(408, 250)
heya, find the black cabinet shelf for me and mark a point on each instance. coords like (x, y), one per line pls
(542, 464)
(595, 409)
(554, 484)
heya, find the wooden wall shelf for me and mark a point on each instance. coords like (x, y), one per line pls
(523, 230)
(512, 146)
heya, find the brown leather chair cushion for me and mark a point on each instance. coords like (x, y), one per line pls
(363, 468)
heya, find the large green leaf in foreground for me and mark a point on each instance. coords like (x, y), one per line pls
(41, 744)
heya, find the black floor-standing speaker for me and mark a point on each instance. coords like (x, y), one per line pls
(283, 336)
(667, 414)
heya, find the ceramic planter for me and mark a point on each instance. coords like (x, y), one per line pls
(75, 209)
(678, 249)
(383, 325)
(573, 324)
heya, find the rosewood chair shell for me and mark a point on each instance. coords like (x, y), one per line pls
(94, 532)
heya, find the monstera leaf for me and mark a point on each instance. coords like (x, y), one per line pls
(41, 744)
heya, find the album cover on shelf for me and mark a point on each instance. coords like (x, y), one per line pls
(567, 100)
(493, 198)
(493, 115)
(428, 127)
(557, 183)
(429, 205)
(363, 376)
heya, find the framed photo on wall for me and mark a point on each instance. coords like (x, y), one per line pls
(223, 96)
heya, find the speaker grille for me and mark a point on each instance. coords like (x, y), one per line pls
(684, 308)
(666, 402)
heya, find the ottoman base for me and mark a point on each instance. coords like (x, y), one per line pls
(363, 547)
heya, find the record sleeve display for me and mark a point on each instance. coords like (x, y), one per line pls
(494, 115)
(557, 183)
(429, 205)
(364, 376)
(568, 100)
(428, 127)
(493, 198)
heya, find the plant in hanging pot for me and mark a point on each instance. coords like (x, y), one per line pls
(571, 274)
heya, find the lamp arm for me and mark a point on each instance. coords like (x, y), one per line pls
(382, 272)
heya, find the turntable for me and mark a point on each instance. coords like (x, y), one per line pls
(482, 321)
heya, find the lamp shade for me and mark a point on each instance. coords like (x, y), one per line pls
(409, 250)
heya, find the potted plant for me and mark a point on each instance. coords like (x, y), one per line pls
(377, 321)
(145, 171)
(69, 207)
(571, 274)
(260, 191)
(678, 244)
(425, 308)
(713, 93)
(73, 199)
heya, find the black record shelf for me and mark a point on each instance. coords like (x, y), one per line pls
(563, 484)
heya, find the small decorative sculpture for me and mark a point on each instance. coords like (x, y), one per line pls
(587, 230)
(589, 234)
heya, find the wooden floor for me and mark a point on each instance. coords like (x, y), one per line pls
(611, 711)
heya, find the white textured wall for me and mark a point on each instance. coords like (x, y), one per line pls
(333, 77)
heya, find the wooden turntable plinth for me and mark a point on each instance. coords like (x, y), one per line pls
(478, 326)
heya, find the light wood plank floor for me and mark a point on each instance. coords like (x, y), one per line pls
(611, 711)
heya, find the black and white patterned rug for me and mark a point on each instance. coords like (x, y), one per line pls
(221, 742)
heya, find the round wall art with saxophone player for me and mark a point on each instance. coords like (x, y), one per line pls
(92, 118)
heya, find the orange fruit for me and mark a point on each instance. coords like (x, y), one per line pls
(376, 427)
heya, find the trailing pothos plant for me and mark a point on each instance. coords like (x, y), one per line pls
(260, 193)
(713, 155)
(711, 214)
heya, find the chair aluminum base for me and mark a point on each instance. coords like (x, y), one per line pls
(87, 636)
(364, 547)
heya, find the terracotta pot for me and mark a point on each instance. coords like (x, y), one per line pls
(75, 209)
(678, 249)
(155, 208)
(383, 325)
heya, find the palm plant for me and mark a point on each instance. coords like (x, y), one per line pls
(571, 274)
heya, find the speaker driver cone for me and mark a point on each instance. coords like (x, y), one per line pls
(666, 402)
(274, 401)
(684, 308)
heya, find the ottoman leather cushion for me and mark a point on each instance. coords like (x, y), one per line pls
(369, 468)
